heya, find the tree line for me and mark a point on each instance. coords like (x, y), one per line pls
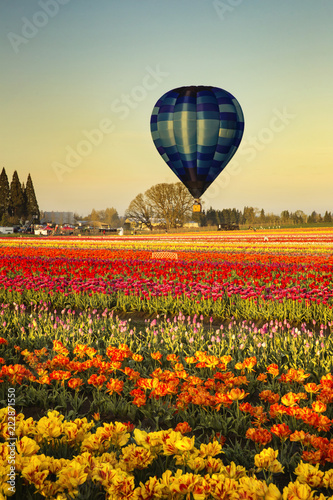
(108, 216)
(170, 206)
(163, 205)
(254, 216)
(18, 202)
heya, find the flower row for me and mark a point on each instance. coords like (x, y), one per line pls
(114, 459)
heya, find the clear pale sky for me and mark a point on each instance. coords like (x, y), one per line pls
(79, 80)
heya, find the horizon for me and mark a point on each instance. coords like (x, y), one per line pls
(57, 210)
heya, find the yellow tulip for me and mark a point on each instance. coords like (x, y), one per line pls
(297, 491)
(273, 493)
(185, 444)
(72, 476)
(27, 446)
(266, 460)
(210, 449)
(328, 479)
(309, 474)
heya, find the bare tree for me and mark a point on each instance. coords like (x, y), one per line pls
(140, 212)
(184, 204)
(300, 217)
(170, 202)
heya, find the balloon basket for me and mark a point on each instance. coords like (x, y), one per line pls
(196, 206)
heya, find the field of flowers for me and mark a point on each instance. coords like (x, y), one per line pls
(224, 390)
(280, 275)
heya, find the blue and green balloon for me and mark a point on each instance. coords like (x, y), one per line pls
(197, 131)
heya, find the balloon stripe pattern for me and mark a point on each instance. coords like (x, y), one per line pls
(197, 130)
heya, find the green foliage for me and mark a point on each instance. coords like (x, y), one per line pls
(16, 201)
(31, 208)
(4, 197)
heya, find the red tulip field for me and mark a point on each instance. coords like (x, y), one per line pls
(179, 366)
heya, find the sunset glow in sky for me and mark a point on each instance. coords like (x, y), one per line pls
(79, 80)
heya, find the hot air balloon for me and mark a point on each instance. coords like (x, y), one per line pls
(197, 131)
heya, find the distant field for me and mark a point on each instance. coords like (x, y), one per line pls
(284, 274)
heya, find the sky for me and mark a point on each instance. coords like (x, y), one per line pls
(79, 80)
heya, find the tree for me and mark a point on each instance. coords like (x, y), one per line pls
(171, 203)
(233, 216)
(249, 215)
(4, 194)
(313, 218)
(200, 218)
(183, 204)
(211, 217)
(16, 199)
(285, 216)
(226, 216)
(101, 215)
(140, 212)
(77, 217)
(94, 218)
(299, 217)
(112, 217)
(108, 216)
(25, 214)
(327, 217)
(262, 217)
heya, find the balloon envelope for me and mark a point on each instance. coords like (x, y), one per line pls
(197, 130)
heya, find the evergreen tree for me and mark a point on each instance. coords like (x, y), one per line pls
(313, 218)
(4, 194)
(233, 216)
(200, 218)
(25, 214)
(285, 216)
(239, 217)
(16, 199)
(31, 205)
(211, 217)
(327, 217)
(226, 216)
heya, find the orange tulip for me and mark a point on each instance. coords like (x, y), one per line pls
(319, 406)
(290, 399)
(237, 394)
